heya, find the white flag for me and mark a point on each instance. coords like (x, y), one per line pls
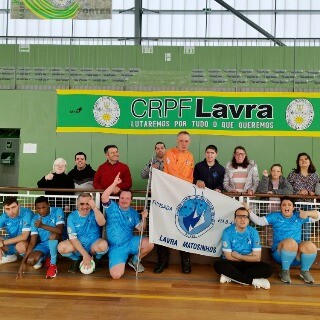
(188, 218)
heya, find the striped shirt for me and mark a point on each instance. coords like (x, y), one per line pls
(239, 177)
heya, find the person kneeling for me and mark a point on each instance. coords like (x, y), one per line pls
(121, 222)
(84, 235)
(288, 249)
(242, 254)
(46, 230)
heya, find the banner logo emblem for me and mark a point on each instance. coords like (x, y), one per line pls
(194, 216)
(299, 114)
(106, 111)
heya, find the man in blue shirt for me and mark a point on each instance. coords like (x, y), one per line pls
(46, 230)
(17, 222)
(121, 222)
(242, 254)
(288, 249)
(84, 231)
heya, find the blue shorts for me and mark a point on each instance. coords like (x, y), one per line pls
(87, 244)
(11, 247)
(43, 247)
(119, 255)
(276, 255)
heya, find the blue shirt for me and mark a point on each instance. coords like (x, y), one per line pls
(84, 228)
(242, 242)
(120, 223)
(15, 226)
(53, 219)
(285, 228)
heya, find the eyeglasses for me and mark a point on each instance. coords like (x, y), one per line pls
(240, 154)
(242, 217)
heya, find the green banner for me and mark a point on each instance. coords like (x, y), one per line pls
(214, 113)
(61, 9)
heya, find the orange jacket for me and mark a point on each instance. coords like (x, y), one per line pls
(179, 164)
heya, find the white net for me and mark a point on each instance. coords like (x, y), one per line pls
(311, 231)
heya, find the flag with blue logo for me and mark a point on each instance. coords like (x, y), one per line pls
(188, 218)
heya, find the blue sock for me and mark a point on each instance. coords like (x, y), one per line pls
(53, 247)
(100, 254)
(135, 258)
(41, 259)
(307, 260)
(286, 258)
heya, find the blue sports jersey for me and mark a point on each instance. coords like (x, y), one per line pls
(120, 223)
(53, 219)
(15, 226)
(242, 242)
(85, 229)
(285, 228)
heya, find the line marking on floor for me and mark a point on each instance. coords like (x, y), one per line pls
(157, 297)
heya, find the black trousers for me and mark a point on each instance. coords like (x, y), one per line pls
(242, 271)
(164, 253)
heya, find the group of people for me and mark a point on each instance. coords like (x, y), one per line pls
(38, 237)
(83, 176)
(240, 175)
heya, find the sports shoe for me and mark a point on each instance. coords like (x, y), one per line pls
(224, 279)
(285, 276)
(75, 266)
(97, 263)
(52, 271)
(261, 283)
(186, 265)
(133, 264)
(306, 276)
(8, 258)
(38, 265)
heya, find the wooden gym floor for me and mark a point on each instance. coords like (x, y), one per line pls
(170, 295)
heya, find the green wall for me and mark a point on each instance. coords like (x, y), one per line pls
(34, 113)
(206, 57)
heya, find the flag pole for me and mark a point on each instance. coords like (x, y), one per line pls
(145, 207)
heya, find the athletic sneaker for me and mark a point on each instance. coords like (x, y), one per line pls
(224, 279)
(75, 266)
(261, 283)
(8, 258)
(133, 264)
(97, 263)
(306, 276)
(38, 265)
(285, 276)
(52, 271)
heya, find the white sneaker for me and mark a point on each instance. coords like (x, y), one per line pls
(8, 258)
(261, 283)
(135, 266)
(38, 265)
(224, 279)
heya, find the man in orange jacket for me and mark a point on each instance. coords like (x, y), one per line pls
(178, 162)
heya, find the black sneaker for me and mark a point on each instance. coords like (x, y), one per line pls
(160, 266)
(185, 266)
(75, 266)
(97, 263)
